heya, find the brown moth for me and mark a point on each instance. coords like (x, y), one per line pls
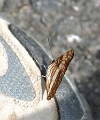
(56, 71)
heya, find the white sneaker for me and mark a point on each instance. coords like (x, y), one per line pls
(23, 94)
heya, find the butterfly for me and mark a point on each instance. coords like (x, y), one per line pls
(56, 71)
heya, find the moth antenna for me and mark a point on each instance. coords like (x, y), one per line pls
(50, 48)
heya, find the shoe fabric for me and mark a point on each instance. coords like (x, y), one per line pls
(22, 89)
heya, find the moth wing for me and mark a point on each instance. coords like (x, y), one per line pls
(53, 67)
(56, 71)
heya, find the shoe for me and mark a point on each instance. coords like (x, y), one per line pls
(22, 88)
